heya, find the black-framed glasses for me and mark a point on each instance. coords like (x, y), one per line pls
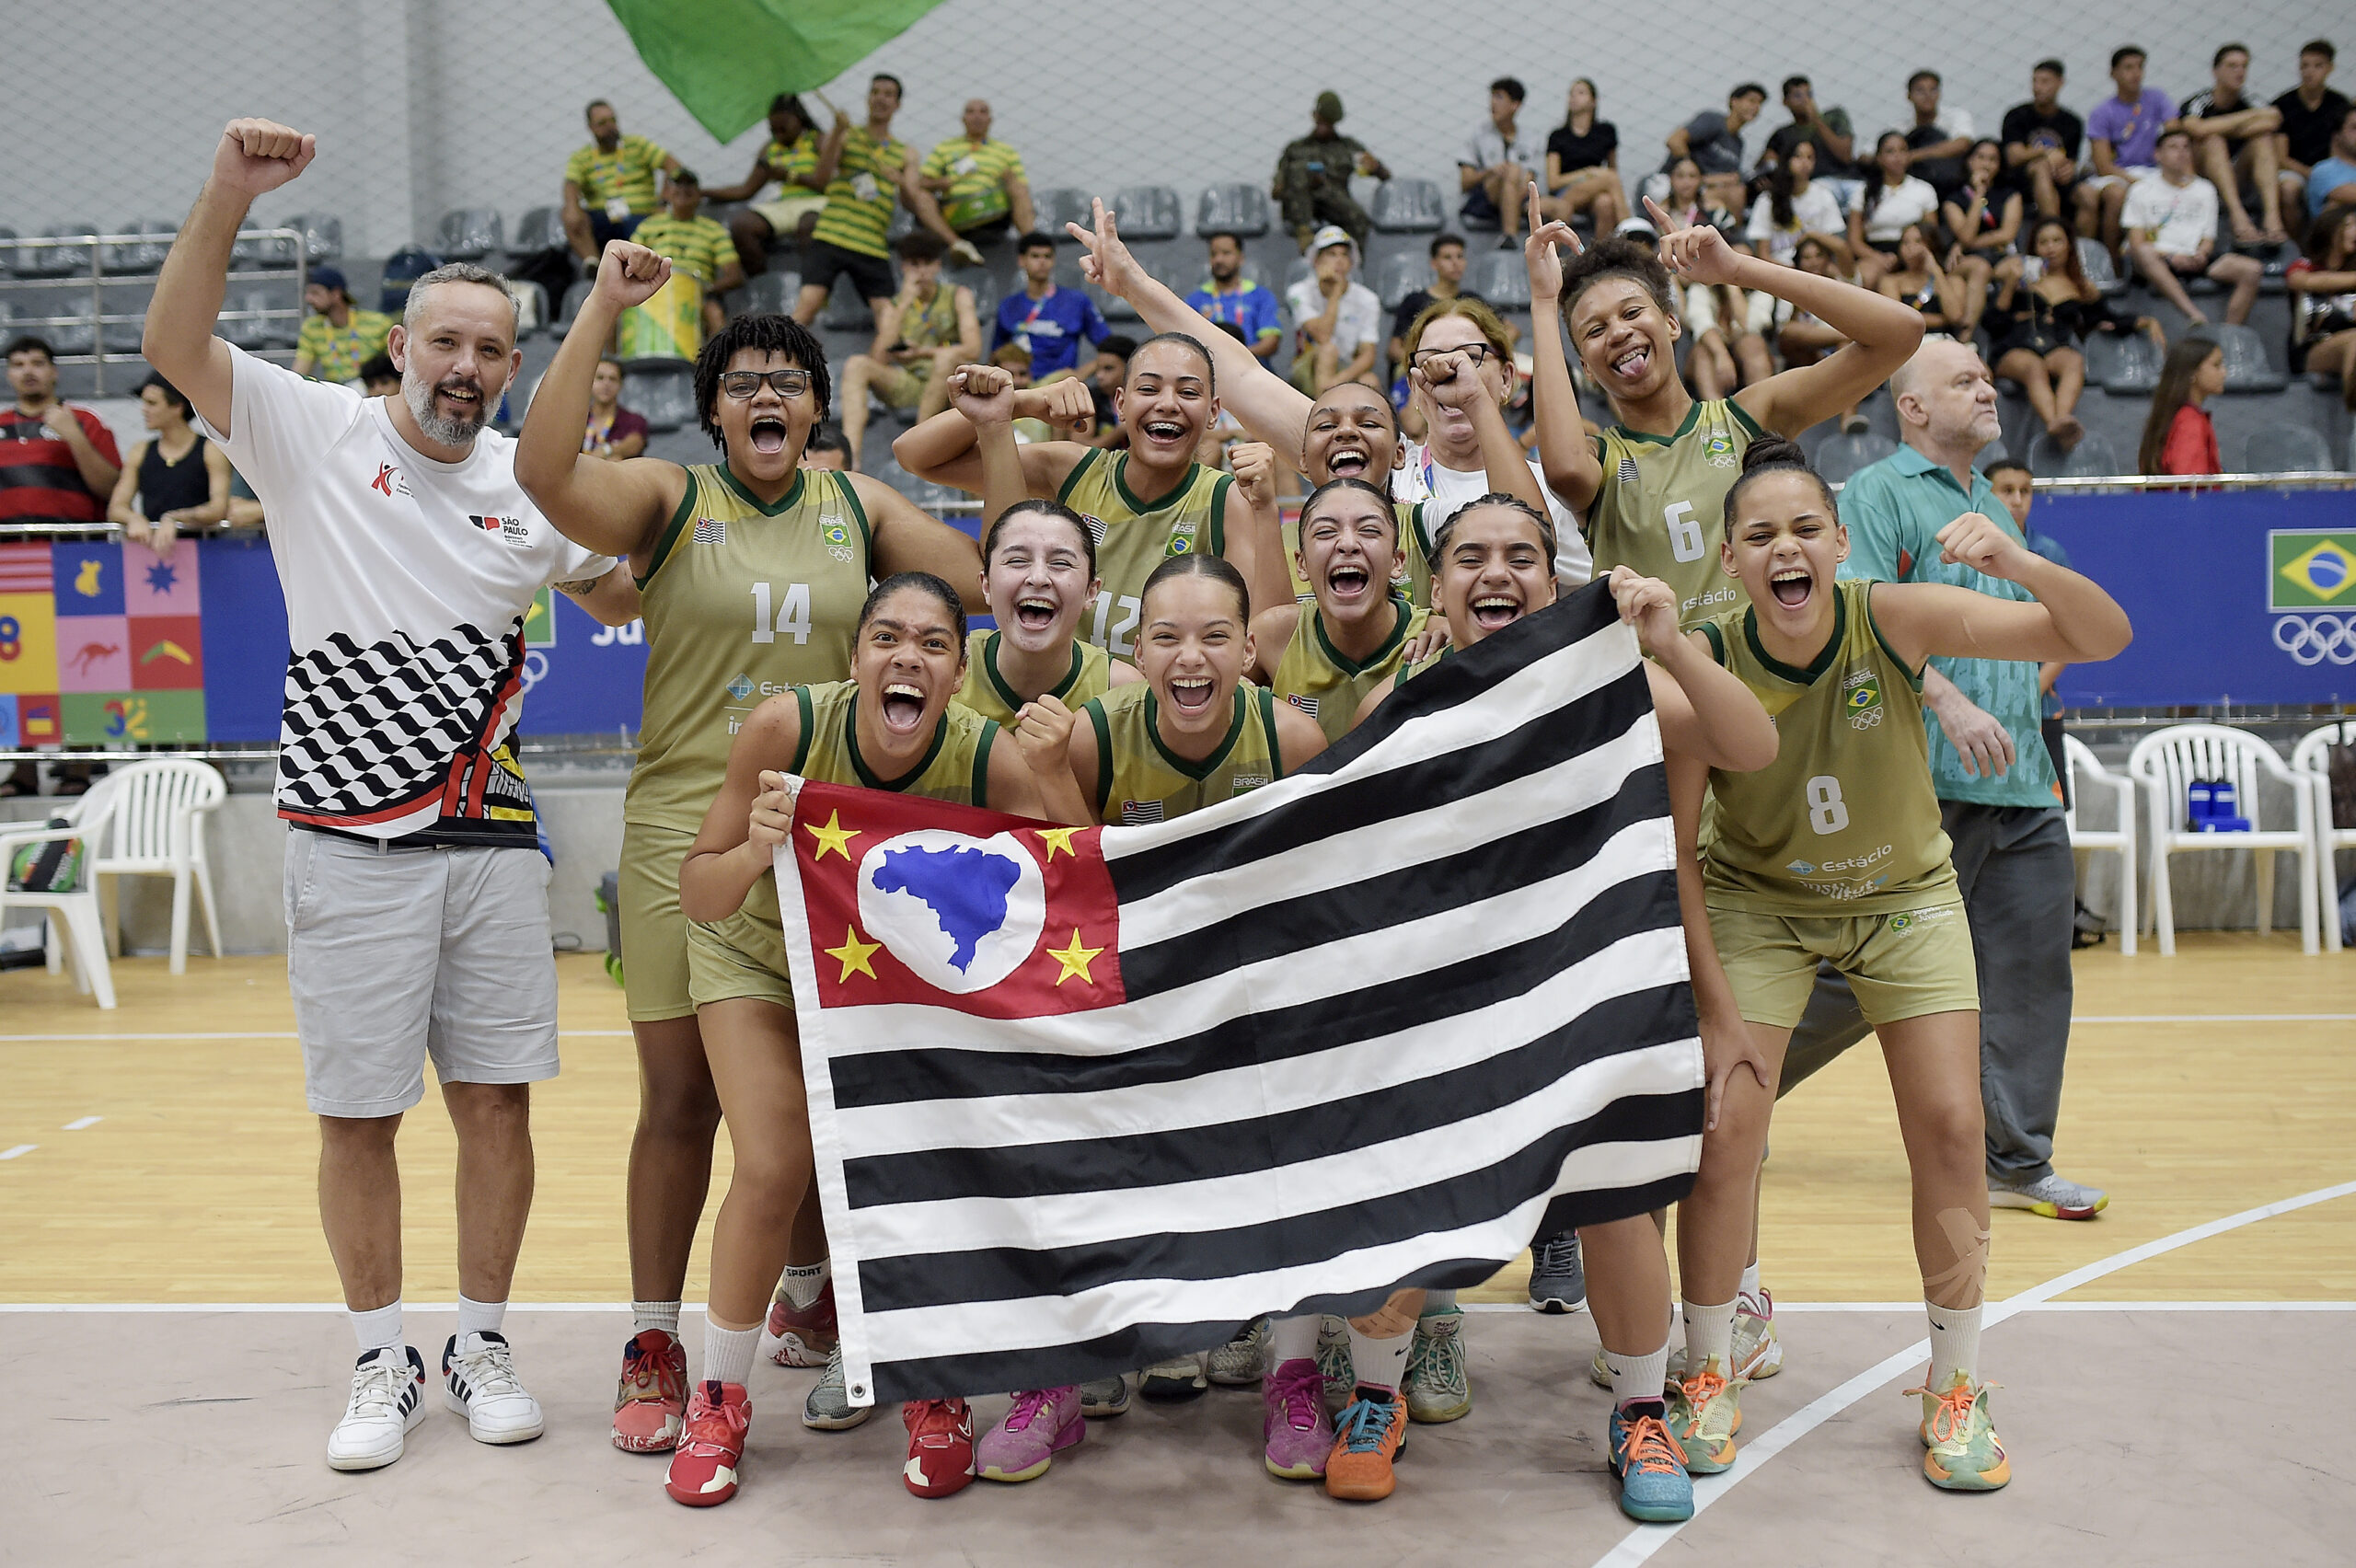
(1473, 353)
(744, 384)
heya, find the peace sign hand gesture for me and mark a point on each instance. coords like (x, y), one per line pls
(1539, 255)
(1698, 254)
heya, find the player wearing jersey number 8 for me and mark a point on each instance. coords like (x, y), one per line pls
(1835, 853)
(752, 571)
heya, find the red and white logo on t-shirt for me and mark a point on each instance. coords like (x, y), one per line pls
(512, 530)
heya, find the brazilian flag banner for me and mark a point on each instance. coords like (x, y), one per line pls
(726, 59)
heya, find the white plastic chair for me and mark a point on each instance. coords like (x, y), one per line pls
(75, 914)
(2087, 770)
(2166, 761)
(2308, 758)
(158, 831)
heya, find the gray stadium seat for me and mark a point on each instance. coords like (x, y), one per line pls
(923, 494)
(1058, 205)
(1241, 209)
(1150, 211)
(772, 294)
(1182, 275)
(121, 337)
(78, 336)
(322, 236)
(1068, 274)
(1842, 456)
(2091, 459)
(1111, 306)
(9, 250)
(57, 260)
(2287, 449)
(1993, 453)
(262, 252)
(1295, 271)
(2123, 363)
(2247, 368)
(144, 254)
(574, 297)
(2095, 261)
(846, 312)
(250, 331)
(1400, 274)
(540, 229)
(469, 234)
(1408, 206)
(531, 306)
(1502, 278)
(903, 223)
(661, 391)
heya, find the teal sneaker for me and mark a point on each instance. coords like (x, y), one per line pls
(1962, 1452)
(1654, 1487)
(1436, 1385)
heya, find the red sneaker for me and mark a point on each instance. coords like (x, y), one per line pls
(804, 1335)
(654, 1394)
(703, 1469)
(941, 1447)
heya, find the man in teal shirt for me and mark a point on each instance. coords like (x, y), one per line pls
(1998, 801)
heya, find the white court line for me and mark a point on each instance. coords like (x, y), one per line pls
(692, 1307)
(20, 1148)
(2215, 1018)
(80, 1123)
(250, 1034)
(1639, 1544)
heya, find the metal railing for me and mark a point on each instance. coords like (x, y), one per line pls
(260, 241)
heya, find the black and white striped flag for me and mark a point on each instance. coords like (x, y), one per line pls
(1083, 1099)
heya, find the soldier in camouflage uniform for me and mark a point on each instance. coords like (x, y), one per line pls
(1314, 173)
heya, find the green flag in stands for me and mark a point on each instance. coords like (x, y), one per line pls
(726, 59)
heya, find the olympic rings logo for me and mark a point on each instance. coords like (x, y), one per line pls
(535, 668)
(2310, 639)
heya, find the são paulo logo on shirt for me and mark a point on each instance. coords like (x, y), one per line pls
(962, 913)
(510, 530)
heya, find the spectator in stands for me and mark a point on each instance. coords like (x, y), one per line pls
(1497, 165)
(2178, 435)
(1105, 378)
(923, 333)
(1337, 321)
(979, 182)
(1728, 326)
(1713, 141)
(57, 464)
(2123, 142)
(1827, 129)
(1046, 321)
(1794, 207)
(2042, 311)
(1312, 181)
(245, 507)
(2171, 225)
(872, 173)
(613, 432)
(338, 337)
(1892, 201)
(379, 376)
(795, 158)
(1688, 199)
(2311, 114)
(2232, 140)
(2332, 182)
(1939, 137)
(1448, 283)
(1983, 218)
(174, 479)
(610, 184)
(2041, 143)
(1583, 165)
(1803, 339)
(1231, 298)
(696, 247)
(1920, 281)
(827, 449)
(2323, 300)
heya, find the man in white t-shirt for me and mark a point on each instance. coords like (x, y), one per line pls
(2170, 220)
(1338, 320)
(416, 898)
(1499, 163)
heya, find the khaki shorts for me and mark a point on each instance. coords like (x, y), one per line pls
(654, 933)
(901, 386)
(785, 214)
(1901, 965)
(743, 956)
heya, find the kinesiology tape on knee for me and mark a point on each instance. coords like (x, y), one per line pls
(1969, 1239)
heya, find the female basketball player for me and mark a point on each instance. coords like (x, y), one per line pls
(1325, 656)
(795, 547)
(894, 726)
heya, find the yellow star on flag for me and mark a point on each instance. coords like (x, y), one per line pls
(1057, 838)
(854, 954)
(834, 836)
(1075, 959)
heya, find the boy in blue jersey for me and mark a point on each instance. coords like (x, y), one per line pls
(1047, 321)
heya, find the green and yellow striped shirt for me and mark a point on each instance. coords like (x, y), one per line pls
(790, 164)
(700, 246)
(627, 172)
(337, 353)
(976, 176)
(860, 199)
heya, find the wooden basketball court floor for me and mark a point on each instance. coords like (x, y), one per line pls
(2175, 1373)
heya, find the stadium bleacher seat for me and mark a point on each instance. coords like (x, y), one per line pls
(9, 250)
(1111, 307)
(1150, 211)
(1400, 274)
(322, 236)
(2123, 363)
(469, 234)
(1182, 275)
(1501, 277)
(574, 297)
(772, 294)
(661, 391)
(121, 337)
(144, 254)
(56, 260)
(846, 312)
(903, 223)
(2247, 368)
(78, 335)
(1993, 453)
(1058, 205)
(542, 228)
(1842, 456)
(259, 251)
(250, 331)
(1241, 209)
(1295, 271)
(2095, 261)
(923, 493)
(402, 268)
(531, 306)
(2286, 449)
(2094, 457)
(1408, 206)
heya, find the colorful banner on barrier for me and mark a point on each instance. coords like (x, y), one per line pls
(101, 644)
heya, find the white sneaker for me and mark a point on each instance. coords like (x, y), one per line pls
(478, 1382)
(387, 1399)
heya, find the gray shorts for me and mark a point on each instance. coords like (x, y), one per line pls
(399, 955)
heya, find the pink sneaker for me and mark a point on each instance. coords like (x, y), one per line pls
(1295, 1422)
(1042, 1424)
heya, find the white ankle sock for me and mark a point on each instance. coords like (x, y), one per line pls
(1438, 1301)
(1750, 1279)
(1955, 1342)
(664, 1315)
(1709, 1331)
(379, 1328)
(1380, 1363)
(1293, 1339)
(727, 1352)
(1637, 1376)
(802, 1286)
(479, 1317)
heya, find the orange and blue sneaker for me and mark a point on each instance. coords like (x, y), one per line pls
(1705, 1412)
(712, 1446)
(1368, 1435)
(651, 1401)
(804, 1334)
(1963, 1452)
(941, 1447)
(1654, 1487)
